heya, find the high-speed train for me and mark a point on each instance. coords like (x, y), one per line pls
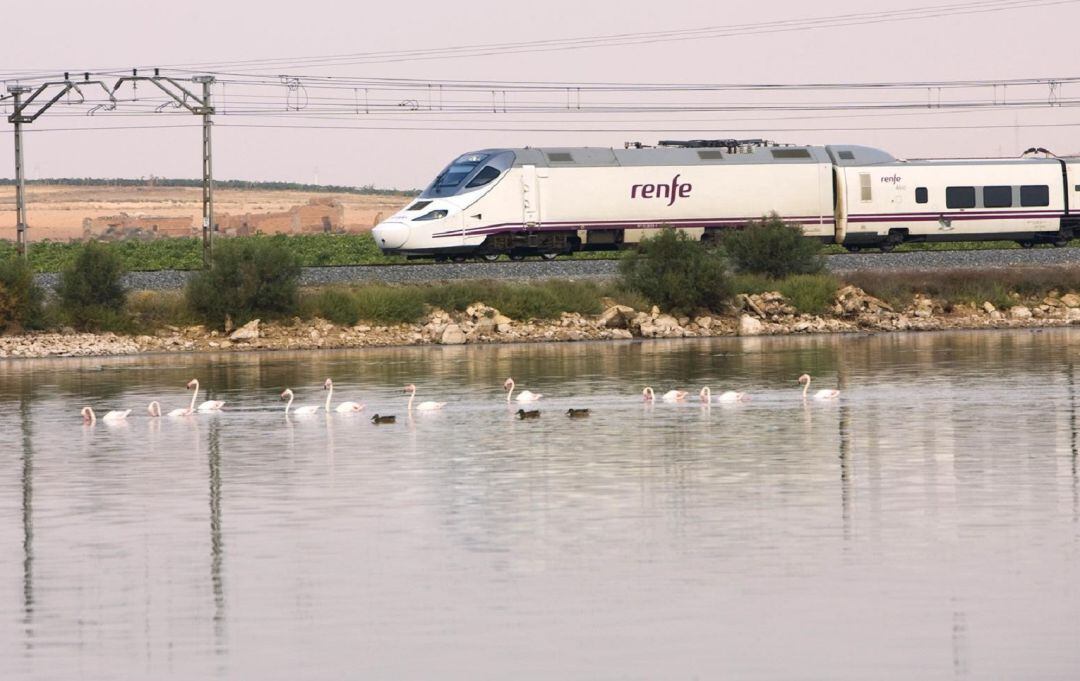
(547, 201)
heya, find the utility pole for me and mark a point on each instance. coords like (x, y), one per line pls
(17, 91)
(206, 110)
(30, 109)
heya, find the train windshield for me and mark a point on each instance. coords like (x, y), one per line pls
(469, 171)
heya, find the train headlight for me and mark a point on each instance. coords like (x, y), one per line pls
(432, 215)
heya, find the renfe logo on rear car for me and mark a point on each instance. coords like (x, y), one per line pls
(670, 191)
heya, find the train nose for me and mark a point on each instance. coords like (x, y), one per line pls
(390, 235)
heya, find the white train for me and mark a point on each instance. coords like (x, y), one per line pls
(544, 202)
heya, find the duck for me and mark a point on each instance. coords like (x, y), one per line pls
(378, 419)
(577, 413)
(531, 414)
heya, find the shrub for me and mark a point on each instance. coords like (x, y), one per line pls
(150, 310)
(247, 278)
(91, 293)
(810, 293)
(20, 297)
(335, 304)
(677, 273)
(773, 248)
(390, 304)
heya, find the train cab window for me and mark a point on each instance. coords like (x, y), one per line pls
(997, 197)
(1034, 195)
(866, 192)
(485, 176)
(846, 156)
(960, 197)
(921, 195)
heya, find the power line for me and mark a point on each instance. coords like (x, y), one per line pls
(626, 39)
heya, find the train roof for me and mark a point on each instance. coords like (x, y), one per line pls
(696, 154)
(731, 152)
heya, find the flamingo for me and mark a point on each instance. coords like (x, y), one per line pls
(90, 418)
(155, 411)
(344, 406)
(523, 396)
(823, 394)
(209, 405)
(726, 397)
(425, 406)
(669, 396)
(299, 411)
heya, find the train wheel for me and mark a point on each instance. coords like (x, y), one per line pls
(489, 257)
(441, 258)
(517, 257)
(887, 246)
(549, 256)
(1061, 243)
(1026, 244)
(458, 258)
(853, 248)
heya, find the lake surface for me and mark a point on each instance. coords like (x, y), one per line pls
(926, 525)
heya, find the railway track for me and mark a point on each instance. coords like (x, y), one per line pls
(603, 269)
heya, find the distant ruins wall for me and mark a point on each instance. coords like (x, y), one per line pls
(317, 216)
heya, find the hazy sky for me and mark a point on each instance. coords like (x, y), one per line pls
(1038, 42)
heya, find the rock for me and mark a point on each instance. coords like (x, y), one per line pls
(745, 302)
(748, 326)
(1072, 314)
(452, 335)
(854, 300)
(996, 315)
(501, 319)
(616, 317)
(1019, 312)
(247, 332)
(988, 307)
(1070, 300)
(704, 322)
(623, 334)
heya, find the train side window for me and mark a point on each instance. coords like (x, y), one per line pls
(921, 195)
(997, 197)
(960, 197)
(865, 190)
(1034, 195)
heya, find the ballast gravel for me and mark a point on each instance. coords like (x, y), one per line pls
(606, 269)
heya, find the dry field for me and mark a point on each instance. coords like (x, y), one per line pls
(58, 212)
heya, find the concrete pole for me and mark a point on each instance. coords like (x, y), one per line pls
(208, 171)
(17, 91)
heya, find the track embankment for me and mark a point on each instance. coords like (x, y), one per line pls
(604, 269)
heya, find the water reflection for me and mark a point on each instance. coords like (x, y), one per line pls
(918, 527)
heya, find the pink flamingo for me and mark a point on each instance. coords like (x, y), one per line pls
(726, 397)
(300, 411)
(523, 396)
(90, 418)
(823, 394)
(209, 405)
(342, 408)
(425, 406)
(155, 411)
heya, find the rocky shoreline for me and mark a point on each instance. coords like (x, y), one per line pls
(853, 311)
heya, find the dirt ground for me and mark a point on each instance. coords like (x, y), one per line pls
(57, 212)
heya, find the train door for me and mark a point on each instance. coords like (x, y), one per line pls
(530, 197)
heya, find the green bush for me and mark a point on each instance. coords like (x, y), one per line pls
(247, 278)
(810, 293)
(334, 304)
(773, 248)
(91, 293)
(677, 273)
(390, 304)
(20, 297)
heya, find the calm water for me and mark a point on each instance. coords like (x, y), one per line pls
(925, 526)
